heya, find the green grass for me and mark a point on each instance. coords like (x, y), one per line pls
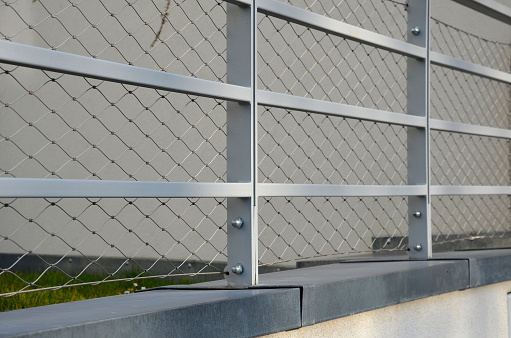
(10, 283)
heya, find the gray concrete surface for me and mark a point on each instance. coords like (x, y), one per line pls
(163, 313)
(283, 300)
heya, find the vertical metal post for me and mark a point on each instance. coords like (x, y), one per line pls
(242, 234)
(418, 72)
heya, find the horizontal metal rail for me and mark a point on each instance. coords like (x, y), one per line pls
(62, 188)
(308, 105)
(242, 3)
(439, 190)
(463, 128)
(468, 67)
(331, 190)
(67, 63)
(490, 8)
(319, 22)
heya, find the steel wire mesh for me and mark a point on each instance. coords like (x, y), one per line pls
(466, 98)
(387, 17)
(461, 44)
(297, 60)
(62, 126)
(300, 228)
(458, 159)
(296, 147)
(189, 36)
(151, 237)
(475, 221)
(469, 222)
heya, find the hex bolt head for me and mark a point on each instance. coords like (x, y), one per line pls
(417, 247)
(417, 214)
(416, 30)
(237, 269)
(237, 222)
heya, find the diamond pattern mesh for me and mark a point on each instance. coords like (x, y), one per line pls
(62, 126)
(461, 97)
(303, 228)
(300, 61)
(299, 148)
(470, 218)
(469, 221)
(387, 17)
(155, 237)
(458, 159)
(455, 42)
(191, 41)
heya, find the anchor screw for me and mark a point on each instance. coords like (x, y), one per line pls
(237, 269)
(237, 222)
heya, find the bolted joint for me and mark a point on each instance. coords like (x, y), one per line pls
(417, 214)
(417, 247)
(416, 30)
(237, 269)
(237, 222)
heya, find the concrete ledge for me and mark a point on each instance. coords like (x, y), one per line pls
(162, 313)
(283, 300)
(338, 290)
(486, 266)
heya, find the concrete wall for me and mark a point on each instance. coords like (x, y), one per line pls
(477, 312)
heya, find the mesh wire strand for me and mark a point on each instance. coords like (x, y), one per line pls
(192, 40)
(293, 229)
(296, 147)
(466, 159)
(470, 218)
(301, 61)
(153, 237)
(62, 126)
(461, 44)
(458, 159)
(387, 17)
(465, 98)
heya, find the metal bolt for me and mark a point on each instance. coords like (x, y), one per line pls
(237, 269)
(417, 247)
(237, 222)
(416, 30)
(417, 214)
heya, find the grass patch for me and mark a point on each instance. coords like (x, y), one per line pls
(11, 283)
